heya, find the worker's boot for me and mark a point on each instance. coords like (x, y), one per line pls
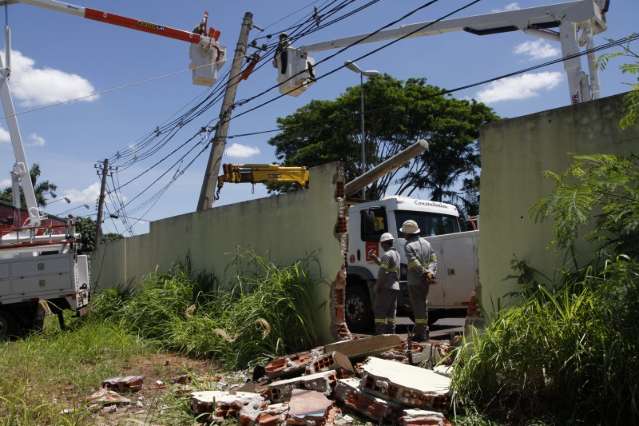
(421, 332)
(390, 327)
(380, 326)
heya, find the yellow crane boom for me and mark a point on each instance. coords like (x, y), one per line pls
(263, 173)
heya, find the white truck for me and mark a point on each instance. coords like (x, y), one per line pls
(439, 222)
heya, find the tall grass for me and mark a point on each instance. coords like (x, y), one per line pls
(44, 374)
(568, 355)
(267, 311)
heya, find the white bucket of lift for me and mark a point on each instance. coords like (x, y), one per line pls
(294, 71)
(206, 62)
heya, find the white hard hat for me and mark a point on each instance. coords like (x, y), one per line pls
(386, 236)
(410, 227)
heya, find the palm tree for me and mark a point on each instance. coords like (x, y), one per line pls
(41, 188)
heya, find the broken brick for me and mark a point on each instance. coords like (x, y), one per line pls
(405, 384)
(348, 392)
(108, 397)
(332, 361)
(223, 404)
(308, 408)
(321, 382)
(288, 365)
(124, 384)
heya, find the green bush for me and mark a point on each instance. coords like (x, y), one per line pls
(266, 312)
(568, 352)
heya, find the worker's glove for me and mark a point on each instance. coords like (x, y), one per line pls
(429, 278)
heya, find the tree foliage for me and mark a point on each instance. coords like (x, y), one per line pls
(42, 189)
(397, 114)
(631, 100)
(604, 187)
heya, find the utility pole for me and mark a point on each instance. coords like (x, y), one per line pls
(221, 131)
(98, 225)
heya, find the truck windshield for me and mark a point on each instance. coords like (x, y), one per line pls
(430, 224)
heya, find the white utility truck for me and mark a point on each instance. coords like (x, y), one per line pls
(439, 222)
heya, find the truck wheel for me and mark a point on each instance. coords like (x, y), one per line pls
(359, 312)
(7, 325)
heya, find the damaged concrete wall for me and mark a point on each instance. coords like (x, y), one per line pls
(515, 153)
(284, 228)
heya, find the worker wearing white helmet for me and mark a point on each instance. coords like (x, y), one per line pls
(422, 270)
(387, 286)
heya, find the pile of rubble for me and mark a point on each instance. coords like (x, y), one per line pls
(371, 376)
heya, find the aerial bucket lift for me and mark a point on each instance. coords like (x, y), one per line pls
(573, 24)
(41, 262)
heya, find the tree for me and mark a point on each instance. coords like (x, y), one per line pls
(41, 189)
(397, 114)
(631, 100)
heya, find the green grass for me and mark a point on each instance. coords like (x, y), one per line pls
(565, 356)
(44, 374)
(267, 311)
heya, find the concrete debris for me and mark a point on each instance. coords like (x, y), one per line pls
(444, 370)
(309, 408)
(332, 361)
(343, 420)
(405, 384)
(321, 382)
(348, 392)
(272, 415)
(109, 409)
(107, 397)
(223, 404)
(422, 417)
(364, 346)
(124, 384)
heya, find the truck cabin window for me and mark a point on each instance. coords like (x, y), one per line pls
(430, 224)
(373, 223)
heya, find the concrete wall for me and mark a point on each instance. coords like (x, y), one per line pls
(515, 153)
(284, 228)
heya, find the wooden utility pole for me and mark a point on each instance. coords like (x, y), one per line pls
(221, 131)
(98, 225)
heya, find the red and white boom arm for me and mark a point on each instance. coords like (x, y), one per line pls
(206, 54)
(122, 21)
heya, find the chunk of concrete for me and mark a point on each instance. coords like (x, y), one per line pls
(124, 383)
(422, 417)
(224, 404)
(321, 382)
(348, 392)
(308, 408)
(444, 370)
(405, 384)
(364, 346)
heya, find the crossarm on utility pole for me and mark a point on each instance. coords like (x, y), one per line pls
(221, 131)
(393, 163)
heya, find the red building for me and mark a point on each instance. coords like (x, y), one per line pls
(10, 218)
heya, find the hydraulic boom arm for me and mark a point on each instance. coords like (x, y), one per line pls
(263, 173)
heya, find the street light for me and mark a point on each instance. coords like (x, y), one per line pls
(86, 206)
(368, 73)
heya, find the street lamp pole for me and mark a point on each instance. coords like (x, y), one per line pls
(368, 73)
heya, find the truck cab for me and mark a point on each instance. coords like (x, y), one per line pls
(440, 224)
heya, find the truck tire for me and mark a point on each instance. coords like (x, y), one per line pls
(359, 310)
(7, 326)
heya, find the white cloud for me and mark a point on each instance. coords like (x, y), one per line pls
(36, 140)
(5, 182)
(34, 86)
(87, 195)
(238, 150)
(4, 135)
(509, 6)
(520, 87)
(537, 49)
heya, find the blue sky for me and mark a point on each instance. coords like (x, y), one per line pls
(62, 57)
